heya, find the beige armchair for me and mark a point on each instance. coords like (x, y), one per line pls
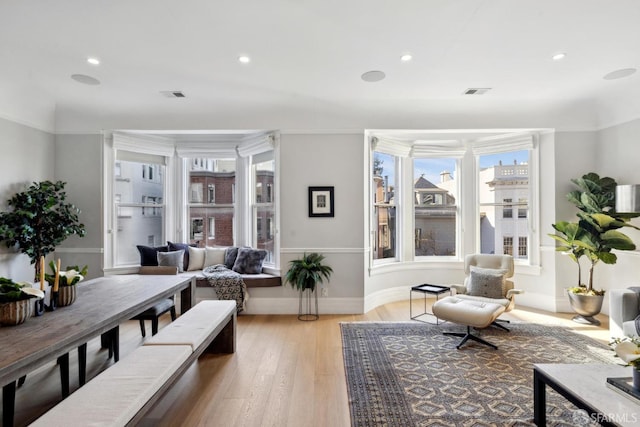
(469, 290)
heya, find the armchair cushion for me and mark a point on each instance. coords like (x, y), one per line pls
(486, 282)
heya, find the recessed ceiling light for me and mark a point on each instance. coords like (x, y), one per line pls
(93, 61)
(558, 56)
(618, 74)
(244, 59)
(84, 79)
(373, 76)
(406, 57)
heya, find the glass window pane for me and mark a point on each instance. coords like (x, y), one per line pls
(384, 174)
(264, 211)
(435, 210)
(504, 195)
(132, 186)
(134, 228)
(211, 209)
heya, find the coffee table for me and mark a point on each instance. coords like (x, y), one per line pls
(425, 289)
(585, 385)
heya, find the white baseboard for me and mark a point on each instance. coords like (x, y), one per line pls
(290, 306)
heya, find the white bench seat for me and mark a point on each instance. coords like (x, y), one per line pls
(116, 395)
(206, 319)
(122, 394)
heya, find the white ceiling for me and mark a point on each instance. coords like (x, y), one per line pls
(307, 57)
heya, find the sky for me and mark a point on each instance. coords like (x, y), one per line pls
(431, 168)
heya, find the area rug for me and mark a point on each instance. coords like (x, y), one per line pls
(409, 374)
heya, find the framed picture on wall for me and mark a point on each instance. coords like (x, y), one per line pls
(321, 202)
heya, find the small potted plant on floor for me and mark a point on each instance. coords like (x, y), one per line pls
(594, 236)
(304, 274)
(16, 303)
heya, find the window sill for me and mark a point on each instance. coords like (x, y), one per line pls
(392, 267)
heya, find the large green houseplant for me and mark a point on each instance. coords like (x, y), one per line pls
(594, 236)
(304, 274)
(41, 219)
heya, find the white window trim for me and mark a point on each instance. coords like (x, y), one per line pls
(137, 148)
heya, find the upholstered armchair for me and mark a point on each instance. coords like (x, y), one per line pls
(624, 309)
(487, 280)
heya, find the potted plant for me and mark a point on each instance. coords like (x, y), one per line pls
(304, 274)
(594, 236)
(15, 301)
(66, 282)
(41, 219)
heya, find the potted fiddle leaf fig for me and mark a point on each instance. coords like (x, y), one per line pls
(304, 274)
(595, 235)
(41, 219)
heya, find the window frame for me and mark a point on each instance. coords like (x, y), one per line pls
(517, 141)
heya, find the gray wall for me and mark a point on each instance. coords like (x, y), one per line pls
(79, 164)
(330, 159)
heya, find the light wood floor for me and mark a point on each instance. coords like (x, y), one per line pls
(285, 372)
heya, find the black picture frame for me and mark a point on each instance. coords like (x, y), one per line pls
(321, 202)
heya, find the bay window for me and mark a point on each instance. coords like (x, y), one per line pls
(218, 192)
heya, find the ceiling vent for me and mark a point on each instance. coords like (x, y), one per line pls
(477, 90)
(172, 93)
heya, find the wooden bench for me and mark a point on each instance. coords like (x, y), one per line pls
(126, 391)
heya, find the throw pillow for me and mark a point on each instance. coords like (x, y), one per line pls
(486, 282)
(249, 261)
(230, 256)
(182, 247)
(214, 256)
(149, 254)
(196, 258)
(172, 259)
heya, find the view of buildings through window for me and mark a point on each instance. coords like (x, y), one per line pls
(211, 200)
(264, 206)
(503, 189)
(139, 206)
(384, 209)
(504, 193)
(139, 193)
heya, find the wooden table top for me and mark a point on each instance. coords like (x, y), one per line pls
(101, 305)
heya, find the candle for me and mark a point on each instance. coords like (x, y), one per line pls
(42, 273)
(57, 279)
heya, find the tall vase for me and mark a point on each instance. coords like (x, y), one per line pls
(636, 378)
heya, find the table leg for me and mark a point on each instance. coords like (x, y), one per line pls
(8, 403)
(539, 400)
(63, 361)
(82, 364)
(188, 296)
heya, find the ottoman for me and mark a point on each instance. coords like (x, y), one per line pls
(471, 313)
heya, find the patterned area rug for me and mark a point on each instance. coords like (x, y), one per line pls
(409, 374)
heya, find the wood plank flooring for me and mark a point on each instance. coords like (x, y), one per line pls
(285, 372)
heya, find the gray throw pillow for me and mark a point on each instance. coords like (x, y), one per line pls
(486, 282)
(172, 259)
(230, 255)
(249, 261)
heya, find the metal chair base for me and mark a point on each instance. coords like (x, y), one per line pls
(469, 336)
